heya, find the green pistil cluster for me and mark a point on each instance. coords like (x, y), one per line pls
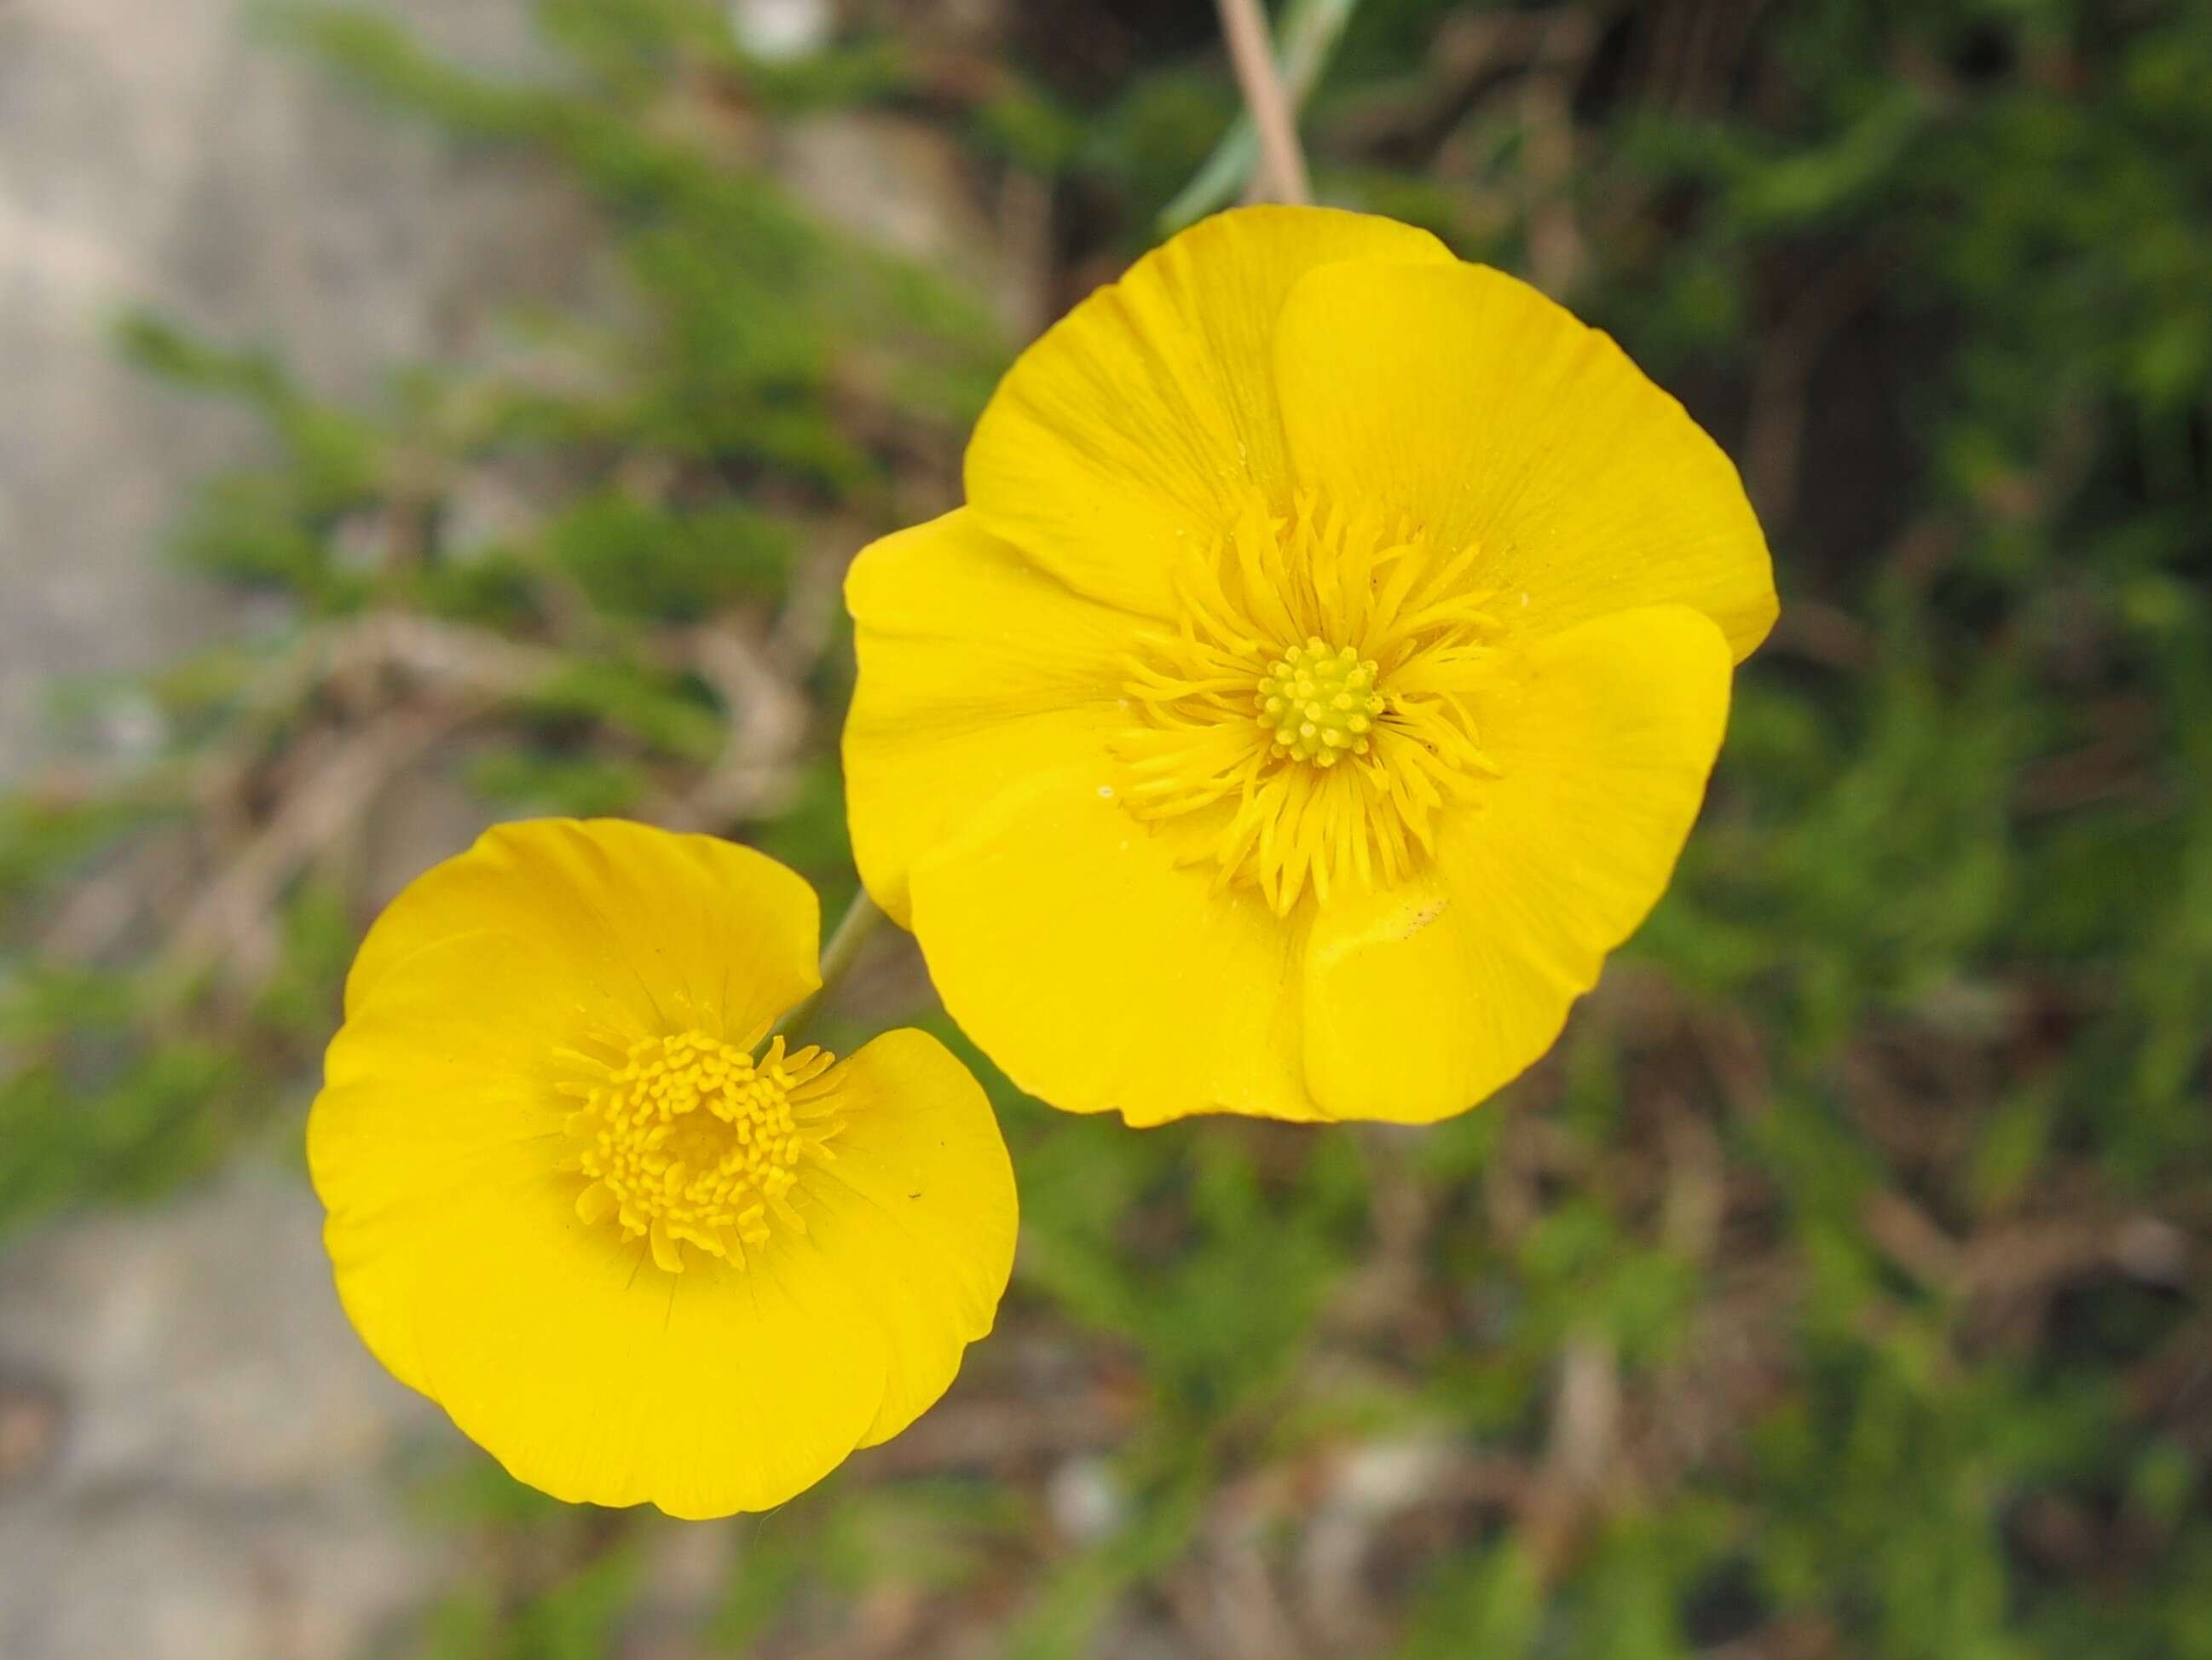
(1320, 701)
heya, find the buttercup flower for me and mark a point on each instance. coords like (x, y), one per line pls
(1322, 678)
(638, 1249)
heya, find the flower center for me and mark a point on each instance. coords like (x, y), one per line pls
(692, 1142)
(1364, 732)
(1319, 702)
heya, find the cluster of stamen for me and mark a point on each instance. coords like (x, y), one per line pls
(691, 1140)
(1320, 703)
(1363, 731)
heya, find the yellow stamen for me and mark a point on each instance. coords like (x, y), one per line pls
(1308, 714)
(693, 1141)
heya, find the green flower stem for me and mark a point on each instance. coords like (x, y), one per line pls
(851, 933)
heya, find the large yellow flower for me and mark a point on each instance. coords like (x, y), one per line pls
(635, 1255)
(1323, 676)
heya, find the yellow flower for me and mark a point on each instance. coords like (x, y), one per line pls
(1322, 677)
(637, 1256)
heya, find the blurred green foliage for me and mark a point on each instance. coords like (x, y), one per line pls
(1839, 1288)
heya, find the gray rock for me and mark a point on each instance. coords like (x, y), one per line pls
(202, 1464)
(153, 152)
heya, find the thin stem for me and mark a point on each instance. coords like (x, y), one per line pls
(1307, 33)
(1283, 163)
(838, 957)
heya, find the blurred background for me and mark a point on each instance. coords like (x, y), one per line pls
(449, 410)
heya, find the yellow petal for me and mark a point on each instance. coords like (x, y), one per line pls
(917, 1210)
(1148, 414)
(444, 1076)
(1423, 1000)
(1468, 403)
(663, 932)
(1067, 941)
(977, 670)
(590, 1374)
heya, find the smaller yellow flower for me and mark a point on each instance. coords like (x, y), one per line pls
(639, 1249)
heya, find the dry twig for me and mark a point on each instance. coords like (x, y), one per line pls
(1282, 173)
